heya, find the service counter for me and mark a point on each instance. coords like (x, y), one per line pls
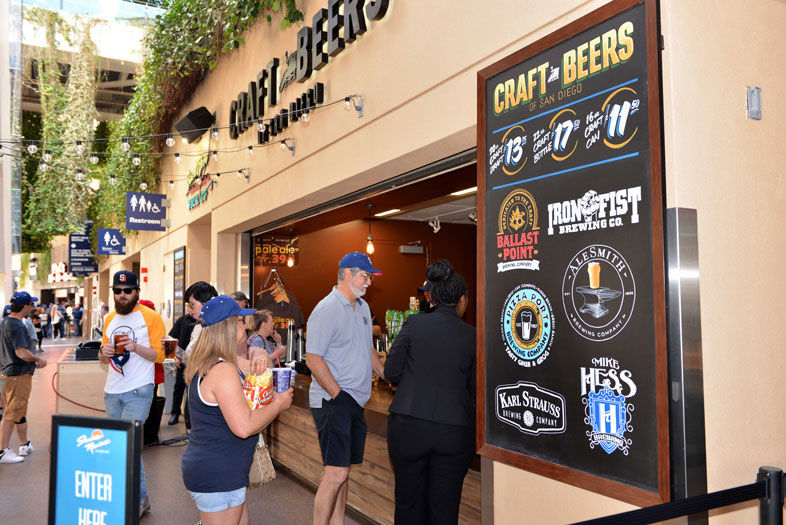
(293, 444)
(80, 383)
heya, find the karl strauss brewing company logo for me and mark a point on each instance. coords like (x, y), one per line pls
(606, 391)
(517, 237)
(596, 312)
(530, 408)
(527, 325)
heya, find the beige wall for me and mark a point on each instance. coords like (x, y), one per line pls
(416, 70)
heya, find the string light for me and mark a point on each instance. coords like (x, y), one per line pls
(80, 148)
(261, 126)
(283, 146)
(251, 151)
(43, 167)
(348, 104)
(112, 180)
(125, 146)
(239, 174)
(136, 160)
(184, 140)
(80, 175)
(93, 159)
(177, 158)
(304, 117)
(214, 155)
(170, 140)
(215, 133)
(171, 185)
(143, 186)
(32, 148)
(47, 156)
(369, 240)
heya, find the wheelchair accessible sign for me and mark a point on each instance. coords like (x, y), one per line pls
(145, 211)
(110, 242)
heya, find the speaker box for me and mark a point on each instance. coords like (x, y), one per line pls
(195, 123)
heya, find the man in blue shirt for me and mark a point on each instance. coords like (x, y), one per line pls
(17, 363)
(340, 354)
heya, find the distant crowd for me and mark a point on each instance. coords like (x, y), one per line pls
(54, 320)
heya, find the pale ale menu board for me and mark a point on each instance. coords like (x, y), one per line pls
(570, 342)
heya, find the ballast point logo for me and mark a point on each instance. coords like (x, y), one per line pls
(530, 408)
(595, 211)
(527, 325)
(598, 292)
(517, 234)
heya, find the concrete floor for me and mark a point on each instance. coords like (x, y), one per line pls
(24, 487)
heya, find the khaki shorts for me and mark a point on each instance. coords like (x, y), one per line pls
(15, 395)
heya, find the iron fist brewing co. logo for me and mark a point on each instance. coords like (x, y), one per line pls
(530, 408)
(517, 237)
(595, 211)
(598, 292)
(605, 391)
(527, 325)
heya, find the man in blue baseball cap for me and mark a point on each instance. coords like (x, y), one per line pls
(17, 363)
(340, 354)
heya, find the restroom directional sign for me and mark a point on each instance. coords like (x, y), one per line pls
(110, 242)
(80, 255)
(146, 211)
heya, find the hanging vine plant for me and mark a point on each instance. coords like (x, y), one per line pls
(183, 44)
(56, 200)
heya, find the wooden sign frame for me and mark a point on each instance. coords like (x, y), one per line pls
(611, 486)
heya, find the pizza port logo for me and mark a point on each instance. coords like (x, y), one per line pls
(517, 232)
(527, 325)
(606, 391)
(598, 292)
(530, 408)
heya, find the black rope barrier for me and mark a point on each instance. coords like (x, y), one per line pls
(688, 506)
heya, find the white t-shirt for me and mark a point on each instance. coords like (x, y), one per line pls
(145, 327)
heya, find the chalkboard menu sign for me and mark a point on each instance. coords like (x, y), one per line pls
(572, 352)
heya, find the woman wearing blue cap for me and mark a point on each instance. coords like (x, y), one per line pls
(224, 429)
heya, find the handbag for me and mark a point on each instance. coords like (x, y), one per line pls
(262, 469)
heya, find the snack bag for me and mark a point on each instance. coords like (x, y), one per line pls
(258, 389)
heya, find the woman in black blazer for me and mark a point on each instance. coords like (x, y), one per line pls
(431, 426)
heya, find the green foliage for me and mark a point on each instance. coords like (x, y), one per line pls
(25, 269)
(44, 263)
(184, 43)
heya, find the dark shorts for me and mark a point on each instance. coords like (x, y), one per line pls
(341, 427)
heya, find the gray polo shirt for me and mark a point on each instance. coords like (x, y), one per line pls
(342, 336)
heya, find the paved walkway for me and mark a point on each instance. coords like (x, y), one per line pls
(24, 487)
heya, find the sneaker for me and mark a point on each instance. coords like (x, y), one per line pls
(144, 506)
(9, 456)
(26, 450)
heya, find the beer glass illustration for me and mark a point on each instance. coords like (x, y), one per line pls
(526, 326)
(593, 269)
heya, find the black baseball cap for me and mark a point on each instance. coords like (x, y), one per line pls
(125, 279)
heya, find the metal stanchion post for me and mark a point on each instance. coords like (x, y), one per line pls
(771, 505)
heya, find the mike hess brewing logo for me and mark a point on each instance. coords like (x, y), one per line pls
(597, 312)
(595, 211)
(530, 408)
(605, 391)
(517, 237)
(527, 325)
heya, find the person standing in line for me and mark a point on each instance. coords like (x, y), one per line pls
(36, 318)
(56, 316)
(431, 426)
(341, 356)
(30, 327)
(219, 454)
(195, 296)
(265, 340)
(17, 364)
(77, 313)
(129, 380)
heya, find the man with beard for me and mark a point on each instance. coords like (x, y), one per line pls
(340, 355)
(129, 380)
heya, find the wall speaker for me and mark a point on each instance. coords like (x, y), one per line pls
(195, 123)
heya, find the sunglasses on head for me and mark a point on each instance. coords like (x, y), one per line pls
(127, 291)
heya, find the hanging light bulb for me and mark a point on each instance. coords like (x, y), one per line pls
(304, 117)
(184, 140)
(215, 133)
(143, 186)
(43, 166)
(93, 159)
(177, 158)
(369, 240)
(290, 261)
(80, 148)
(214, 155)
(251, 151)
(240, 174)
(136, 160)
(47, 156)
(32, 148)
(283, 146)
(80, 175)
(171, 185)
(112, 180)
(124, 145)
(261, 126)
(170, 140)
(348, 104)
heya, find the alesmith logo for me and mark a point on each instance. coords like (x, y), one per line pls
(607, 409)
